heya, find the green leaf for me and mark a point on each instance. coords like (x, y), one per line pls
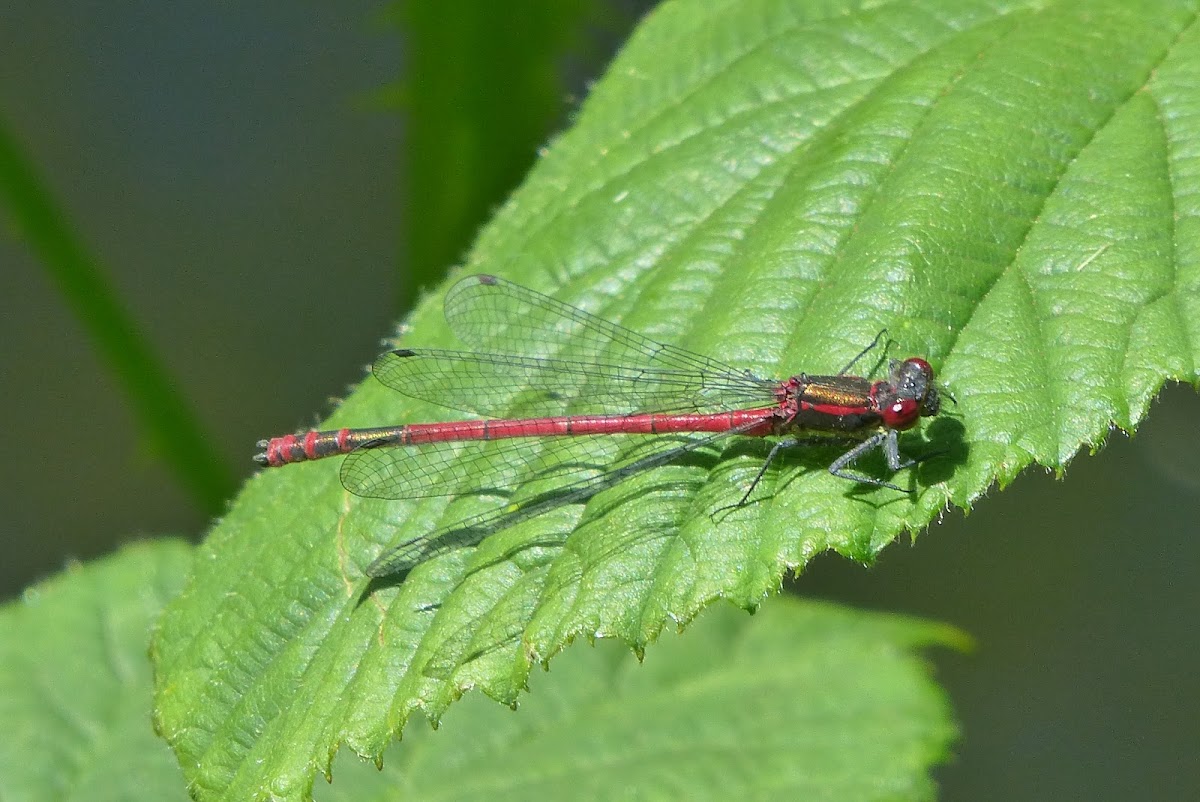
(803, 701)
(1009, 188)
(738, 708)
(75, 688)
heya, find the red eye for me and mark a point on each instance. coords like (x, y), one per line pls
(922, 364)
(902, 413)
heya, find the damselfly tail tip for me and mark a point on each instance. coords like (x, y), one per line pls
(261, 457)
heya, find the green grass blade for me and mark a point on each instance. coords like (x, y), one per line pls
(175, 433)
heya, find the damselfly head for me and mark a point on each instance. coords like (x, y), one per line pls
(913, 393)
(912, 378)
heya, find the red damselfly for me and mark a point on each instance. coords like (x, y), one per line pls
(572, 376)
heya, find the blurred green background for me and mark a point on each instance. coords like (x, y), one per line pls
(265, 189)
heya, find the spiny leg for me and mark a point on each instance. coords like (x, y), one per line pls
(891, 450)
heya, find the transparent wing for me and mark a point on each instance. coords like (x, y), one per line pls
(539, 357)
(493, 315)
(647, 454)
(455, 468)
(502, 385)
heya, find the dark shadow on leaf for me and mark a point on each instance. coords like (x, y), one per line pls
(944, 437)
(468, 535)
(595, 512)
(444, 668)
(940, 452)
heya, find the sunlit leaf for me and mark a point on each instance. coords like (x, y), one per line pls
(1009, 188)
(75, 690)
